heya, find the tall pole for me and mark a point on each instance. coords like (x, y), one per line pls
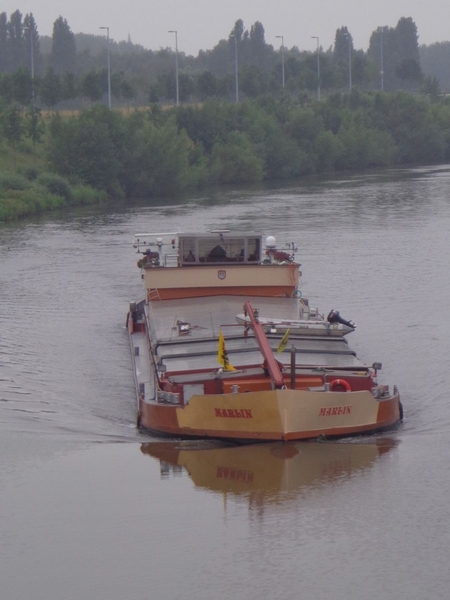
(315, 37)
(381, 59)
(176, 65)
(236, 67)
(108, 65)
(282, 58)
(349, 37)
(30, 30)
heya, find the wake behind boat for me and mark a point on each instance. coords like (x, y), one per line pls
(225, 346)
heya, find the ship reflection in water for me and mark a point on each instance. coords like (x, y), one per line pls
(266, 469)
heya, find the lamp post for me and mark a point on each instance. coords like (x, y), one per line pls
(236, 67)
(108, 64)
(315, 37)
(349, 37)
(176, 65)
(29, 29)
(282, 58)
(380, 29)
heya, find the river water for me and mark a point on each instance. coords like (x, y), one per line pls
(92, 509)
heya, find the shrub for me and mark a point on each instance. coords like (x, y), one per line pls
(84, 194)
(56, 185)
(236, 161)
(12, 181)
(31, 173)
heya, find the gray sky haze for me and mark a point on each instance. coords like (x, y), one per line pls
(202, 23)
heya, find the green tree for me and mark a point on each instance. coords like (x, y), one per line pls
(64, 49)
(7, 88)
(158, 163)
(93, 84)
(258, 47)
(206, 85)
(16, 42)
(305, 126)
(16, 87)
(407, 39)
(238, 31)
(253, 81)
(342, 56)
(186, 86)
(128, 91)
(69, 86)
(116, 84)
(401, 58)
(235, 160)
(434, 60)
(4, 46)
(326, 151)
(283, 157)
(430, 87)
(35, 127)
(22, 87)
(409, 71)
(12, 125)
(204, 125)
(50, 89)
(87, 147)
(32, 44)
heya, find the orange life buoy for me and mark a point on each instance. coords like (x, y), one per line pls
(340, 383)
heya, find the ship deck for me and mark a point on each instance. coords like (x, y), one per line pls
(203, 318)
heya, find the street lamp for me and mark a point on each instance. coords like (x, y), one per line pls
(236, 66)
(380, 29)
(30, 30)
(109, 66)
(282, 58)
(349, 37)
(176, 65)
(315, 37)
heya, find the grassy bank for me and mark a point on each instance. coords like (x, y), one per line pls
(98, 154)
(28, 188)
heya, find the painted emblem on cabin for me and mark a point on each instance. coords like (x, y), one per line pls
(221, 274)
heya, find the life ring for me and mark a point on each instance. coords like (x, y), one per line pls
(340, 383)
(296, 294)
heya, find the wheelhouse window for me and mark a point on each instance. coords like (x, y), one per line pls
(253, 249)
(188, 250)
(214, 250)
(219, 250)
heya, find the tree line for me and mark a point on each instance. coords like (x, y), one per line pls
(70, 69)
(98, 153)
(159, 152)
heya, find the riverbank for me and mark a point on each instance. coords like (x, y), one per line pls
(28, 187)
(22, 197)
(100, 155)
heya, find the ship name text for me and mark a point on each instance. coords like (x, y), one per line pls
(234, 413)
(332, 411)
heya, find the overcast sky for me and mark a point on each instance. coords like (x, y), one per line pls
(202, 23)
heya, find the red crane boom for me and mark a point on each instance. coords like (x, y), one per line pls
(272, 364)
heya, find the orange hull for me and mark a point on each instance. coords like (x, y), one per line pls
(327, 414)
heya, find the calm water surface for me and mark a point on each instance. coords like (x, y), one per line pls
(91, 509)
